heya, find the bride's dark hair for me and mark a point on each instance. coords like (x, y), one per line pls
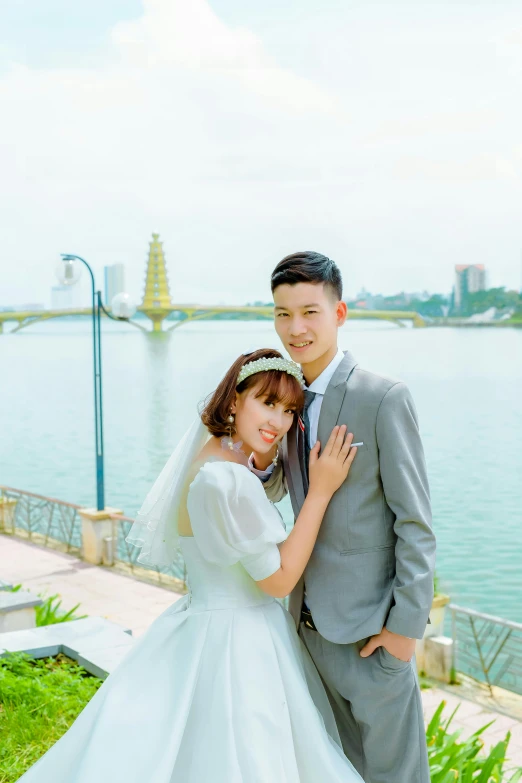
(276, 385)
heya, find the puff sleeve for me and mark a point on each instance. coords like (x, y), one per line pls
(233, 521)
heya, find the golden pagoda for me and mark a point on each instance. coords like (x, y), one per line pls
(156, 297)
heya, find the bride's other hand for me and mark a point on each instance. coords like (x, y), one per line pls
(328, 471)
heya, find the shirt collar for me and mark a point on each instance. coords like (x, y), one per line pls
(320, 384)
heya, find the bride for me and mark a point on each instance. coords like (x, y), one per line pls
(220, 689)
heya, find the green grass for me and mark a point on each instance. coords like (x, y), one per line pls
(39, 700)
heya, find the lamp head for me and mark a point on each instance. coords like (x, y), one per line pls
(68, 270)
(123, 306)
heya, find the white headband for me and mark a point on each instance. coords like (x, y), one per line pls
(262, 365)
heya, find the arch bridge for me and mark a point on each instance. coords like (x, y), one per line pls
(163, 321)
(157, 305)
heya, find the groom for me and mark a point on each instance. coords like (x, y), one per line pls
(368, 587)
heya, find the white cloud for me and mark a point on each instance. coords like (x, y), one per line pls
(442, 123)
(179, 108)
(238, 148)
(467, 170)
(190, 35)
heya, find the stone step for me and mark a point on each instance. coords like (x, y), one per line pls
(96, 643)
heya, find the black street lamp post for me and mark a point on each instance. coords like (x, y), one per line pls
(69, 276)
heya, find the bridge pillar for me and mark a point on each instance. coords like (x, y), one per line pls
(156, 315)
(156, 318)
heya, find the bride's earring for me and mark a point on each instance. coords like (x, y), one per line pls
(230, 442)
(276, 458)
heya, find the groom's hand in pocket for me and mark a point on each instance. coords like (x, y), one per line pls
(400, 647)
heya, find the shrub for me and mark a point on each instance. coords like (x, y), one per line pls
(50, 612)
(454, 760)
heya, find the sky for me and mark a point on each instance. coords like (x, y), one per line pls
(386, 135)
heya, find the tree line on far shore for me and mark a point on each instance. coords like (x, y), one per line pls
(437, 305)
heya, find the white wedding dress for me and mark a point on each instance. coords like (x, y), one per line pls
(220, 689)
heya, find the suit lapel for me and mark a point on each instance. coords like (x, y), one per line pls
(330, 410)
(333, 398)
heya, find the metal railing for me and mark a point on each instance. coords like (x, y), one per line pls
(127, 553)
(44, 520)
(55, 523)
(487, 648)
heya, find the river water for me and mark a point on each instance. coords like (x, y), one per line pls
(467, 384)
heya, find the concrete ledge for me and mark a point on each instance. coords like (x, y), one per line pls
(5, 585)
(96, 643)
(22, 599)
(7, 514)
(438, 651)
(17, 610)
(96, 527)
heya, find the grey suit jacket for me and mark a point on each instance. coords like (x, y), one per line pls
(374, 559)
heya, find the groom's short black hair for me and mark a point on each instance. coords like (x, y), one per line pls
(308, 267)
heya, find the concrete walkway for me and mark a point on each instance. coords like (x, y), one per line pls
(134, 604)
(99, 591)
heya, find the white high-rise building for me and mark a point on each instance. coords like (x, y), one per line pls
(30, 307)
(114, 281)
(63, 297)
(469, 278)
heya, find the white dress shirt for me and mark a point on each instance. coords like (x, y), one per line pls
(319, 387)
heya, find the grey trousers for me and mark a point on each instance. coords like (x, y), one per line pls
(378, 709)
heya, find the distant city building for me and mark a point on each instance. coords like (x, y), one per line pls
(364, 300)
(30, 307)
(417, 296)
(114, 281)
(469, 278)
(395, 302)
(62, 297)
